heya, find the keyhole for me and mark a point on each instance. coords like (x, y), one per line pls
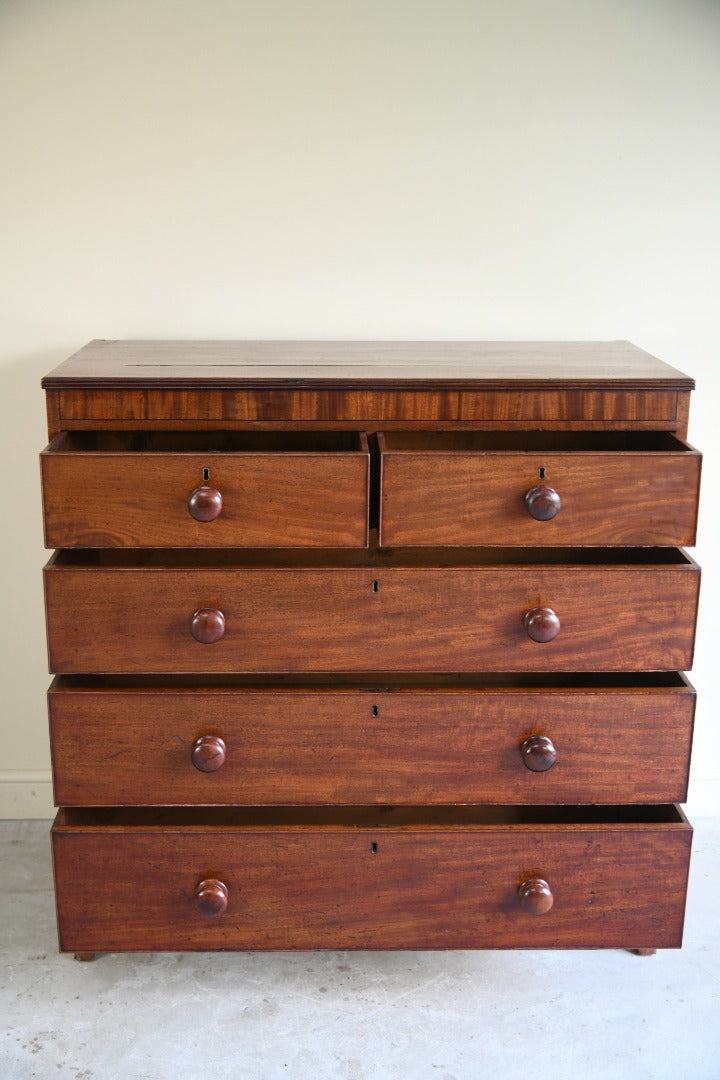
(206, 475)
(373, 848)
(376, 586)
(375, 710)
(541, 472)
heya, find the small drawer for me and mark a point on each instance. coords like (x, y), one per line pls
(500, 739)
(581, 609)
(458, 488)
(414, 878)
(206, 489)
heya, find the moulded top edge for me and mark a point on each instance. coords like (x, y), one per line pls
(414, 365)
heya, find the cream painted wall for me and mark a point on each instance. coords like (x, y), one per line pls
(348, 168)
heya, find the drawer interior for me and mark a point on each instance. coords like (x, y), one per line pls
(247, 442)
(368, 817)
(193, 558)
(363, 682)
(532, 441)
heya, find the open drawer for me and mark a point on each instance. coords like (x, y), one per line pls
(477, 609)
(207, 489)
(381, 878)
(457, 488)
(359, 740)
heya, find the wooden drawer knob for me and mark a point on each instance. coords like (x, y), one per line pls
(535, 896)
(208, 625)
(542, 624)
(538, 753)
(542, 502)
(209, 753)
(205, 503)
(211, 897)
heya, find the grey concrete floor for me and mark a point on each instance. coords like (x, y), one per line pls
(352, 1016)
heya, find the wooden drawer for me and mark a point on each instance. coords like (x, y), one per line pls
(618, 610)
(207, 489)
(459, 488)
(494, 740)
(386, 879)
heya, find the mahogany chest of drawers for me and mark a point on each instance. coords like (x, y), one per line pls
(369, 645)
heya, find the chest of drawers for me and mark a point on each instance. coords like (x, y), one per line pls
(369, 645)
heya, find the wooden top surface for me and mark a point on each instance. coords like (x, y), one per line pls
(365, 364)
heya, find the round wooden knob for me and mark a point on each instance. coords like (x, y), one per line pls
(205, 503)
(542, 502)
(535, 896)
(538, 753)
(211, 897)
(208, 625)
(208, 753)
(542, 624)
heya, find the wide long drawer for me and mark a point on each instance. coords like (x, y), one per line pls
(525, 740)
(197, 612)
(540, 488)
(380, 879)
(208, 489)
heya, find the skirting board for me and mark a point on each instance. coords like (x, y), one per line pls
(27, 793)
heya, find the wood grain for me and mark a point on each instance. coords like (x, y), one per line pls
(683, 413)
(117, 496)
(135, 746)
(305, 886)
(367, 407)
(52, 407)
(455, 618)
(350, 685)
(456, 490)
(239, 383)
(526, 364)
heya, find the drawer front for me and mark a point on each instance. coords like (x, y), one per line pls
(133, 619)
(457, 497)
(505, 745)
(155, 499)
(311, 886)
